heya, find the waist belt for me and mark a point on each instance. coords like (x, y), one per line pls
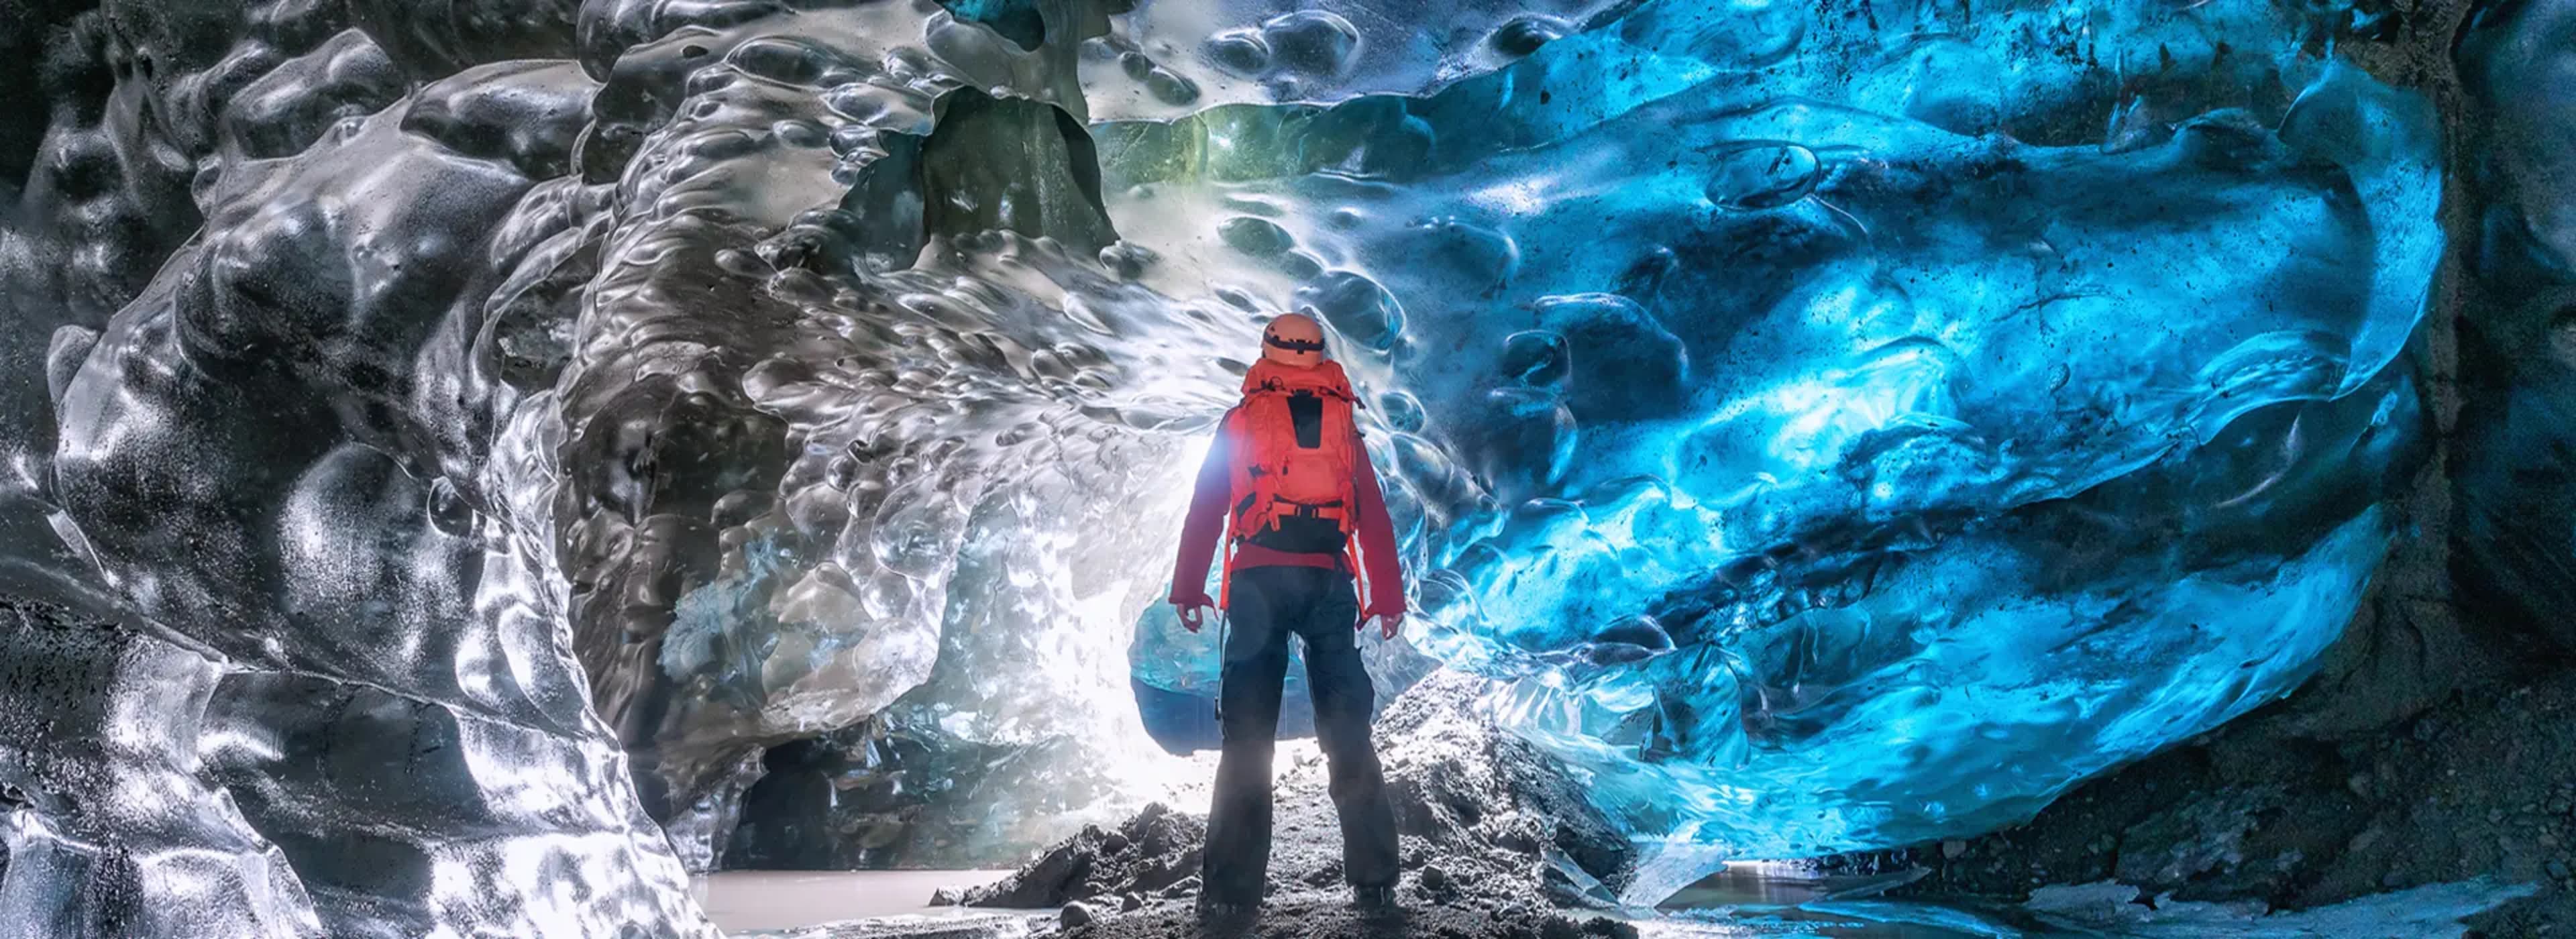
(1306, 510)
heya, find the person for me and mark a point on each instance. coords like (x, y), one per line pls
(1290, 485)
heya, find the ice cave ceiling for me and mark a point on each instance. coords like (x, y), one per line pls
(1838, 423)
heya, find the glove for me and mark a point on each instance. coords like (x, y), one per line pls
(1188, 607)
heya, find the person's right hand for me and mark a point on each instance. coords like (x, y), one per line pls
(1192, 610)
(1388, 624)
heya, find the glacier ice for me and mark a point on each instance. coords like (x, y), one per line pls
(289, 622)
(507, 453)
(445, 446)
(1835, 450)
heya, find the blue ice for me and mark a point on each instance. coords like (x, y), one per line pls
(1838, 431)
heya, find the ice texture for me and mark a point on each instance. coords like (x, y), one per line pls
(439, 480)
(1168, 58)
(443, 446)
(288, 662)
(1859, 438)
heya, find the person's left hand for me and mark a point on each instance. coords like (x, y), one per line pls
(1389, 625)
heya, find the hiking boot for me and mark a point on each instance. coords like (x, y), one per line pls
(1221, 910)
(1374, 899)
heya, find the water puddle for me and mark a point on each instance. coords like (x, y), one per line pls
(743, 902)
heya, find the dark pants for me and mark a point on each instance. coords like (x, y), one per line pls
(1265, 606)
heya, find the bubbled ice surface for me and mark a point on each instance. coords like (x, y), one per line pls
(1839, 424)
(298, 594)
(1850, 424)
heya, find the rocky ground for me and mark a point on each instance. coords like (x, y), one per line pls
(1497, 843)
(2290, 822)
(2482, 785)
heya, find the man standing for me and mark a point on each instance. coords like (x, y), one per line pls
(1290, 487)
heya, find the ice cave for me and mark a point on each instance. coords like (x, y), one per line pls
(1997, 468)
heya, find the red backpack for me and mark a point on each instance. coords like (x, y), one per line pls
(1273, 476)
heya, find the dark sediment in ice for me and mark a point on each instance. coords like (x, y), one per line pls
(1496, 839)
(2481, 785)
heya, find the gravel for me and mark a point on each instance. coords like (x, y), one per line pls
(1491, 829)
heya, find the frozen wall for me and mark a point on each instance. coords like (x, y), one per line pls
(1852, 426)
(446, 446)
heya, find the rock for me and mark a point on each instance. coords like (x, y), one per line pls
(1156, 849)
(1483, 818)
(1953, 848)
(1434, 879)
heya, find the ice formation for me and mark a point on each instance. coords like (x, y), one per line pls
(446, 444)
(1839, 451)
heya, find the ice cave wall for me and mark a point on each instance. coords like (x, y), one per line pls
(1835, 450)
(418, 418)
(287, 658)
(406, 446)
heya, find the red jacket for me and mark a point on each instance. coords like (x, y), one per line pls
(1375, 533)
